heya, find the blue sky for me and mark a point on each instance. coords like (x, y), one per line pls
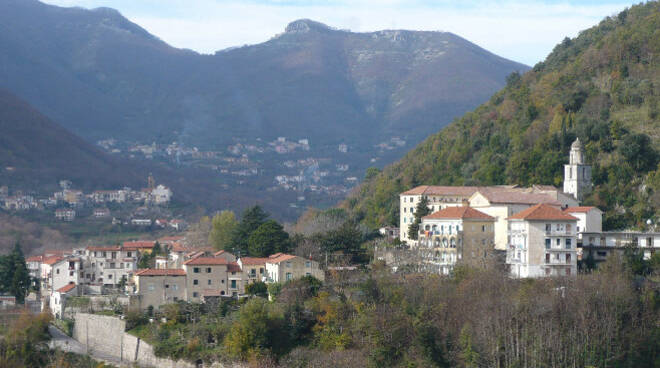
(524, 31)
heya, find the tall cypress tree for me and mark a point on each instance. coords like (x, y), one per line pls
(421, 210)
(20, 279)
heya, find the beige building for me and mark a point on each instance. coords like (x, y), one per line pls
(456, 234)
(542, 242)
(590, 219)
(440, 197)
(253, 268)
(285, 267)
(501, 204)
(206, 274)
(156, 287)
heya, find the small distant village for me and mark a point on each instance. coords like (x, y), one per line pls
(69, 203)
(282, 164)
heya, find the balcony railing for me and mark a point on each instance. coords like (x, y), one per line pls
(559, 233)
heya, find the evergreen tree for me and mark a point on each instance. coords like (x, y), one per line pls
(253, 217)
(421, 210)
(20, 279)
(267, 239)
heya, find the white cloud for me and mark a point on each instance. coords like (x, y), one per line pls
(522, 31)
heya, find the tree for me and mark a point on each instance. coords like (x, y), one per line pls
(257, 288)
(421, 210)
(253, 217)
(14, 275)
(267, 239)
(222, 228)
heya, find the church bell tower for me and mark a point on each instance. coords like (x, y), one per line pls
(577, 175)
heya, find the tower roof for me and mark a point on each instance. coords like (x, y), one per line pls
(577, 145)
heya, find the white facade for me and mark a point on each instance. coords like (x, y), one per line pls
(160, 194)
(577, 175)
(539, 248)
(107, 266)
(65, 272)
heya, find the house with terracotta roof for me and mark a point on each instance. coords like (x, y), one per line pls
(155, 287)
(66, 271)
(141, 246)
(282, 267)
(45, 273)
(542, 242)
(226, 255)
(455, 234)
(58, 298)
(440, 197)
(501, 204)
(254, 269)
(206, 273)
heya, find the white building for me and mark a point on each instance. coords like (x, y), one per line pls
(590, 219)
(160, 195)
(542, 242)
(601, 244)
(108, 265)
(65, 214)
(58, 298)
(577, 175)
(66, 271)
(285, 267)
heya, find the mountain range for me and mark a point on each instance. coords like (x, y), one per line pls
(101, 76)
(602, 86)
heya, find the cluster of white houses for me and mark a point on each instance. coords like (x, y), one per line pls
(186, 274)
(542, 230)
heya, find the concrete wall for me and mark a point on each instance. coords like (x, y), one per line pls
(105, 334)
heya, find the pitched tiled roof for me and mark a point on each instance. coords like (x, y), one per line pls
(221, 252)
(34, 259)
(233, 267)
(254, 261)
(66, 288)
(169, 239)
(161, 272)
(441, 190)
(279, 257)
(104, 248)
(206, 261)
(52, 260)
(142, 244)
(517, 197)
(462, 212)
(542, 212)
(581, 209)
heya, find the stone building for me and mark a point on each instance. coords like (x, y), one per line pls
(156, 287)
(206, 274)
(285, 267)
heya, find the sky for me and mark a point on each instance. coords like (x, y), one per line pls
(524, 31)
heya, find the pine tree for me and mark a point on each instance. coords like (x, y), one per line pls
(20, 279)
(421, 210)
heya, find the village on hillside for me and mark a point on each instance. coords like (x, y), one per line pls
(541, 231)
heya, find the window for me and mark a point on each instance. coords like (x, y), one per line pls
(167, 286)
(112, 265)
(113, 255)
(222, 292)
(548, 228)
(208, 270)
(195, 282)
(196, 270)
(253, 272)
(103, 254)
(405, 220)
(308, 264)
(568, 244)
(195, 294)
(568, 258)
(261, 271)
(175, 287)
(405, 209)
(601, 254)
(483, 228)
(57, 271)
(208, 282)
(288, 265)
(568, 228)
(547, 243)
(558, 242)
(233, 284)
(70, 273)
(151, 287)
(222, 281)
(289, 276)
(175, 298)
(129, 254)
(547, 258)
(110, 277)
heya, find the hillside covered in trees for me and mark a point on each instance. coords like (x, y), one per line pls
(602, 86)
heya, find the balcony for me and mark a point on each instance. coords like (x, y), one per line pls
(559, 233)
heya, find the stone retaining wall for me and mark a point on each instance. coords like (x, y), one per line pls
(106, 335)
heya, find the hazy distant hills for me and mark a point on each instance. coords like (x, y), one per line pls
(34, 151)
(102, 76)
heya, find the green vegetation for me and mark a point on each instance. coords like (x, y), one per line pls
(14, 276)
(475, 318)
(603, 87)
(223, 225)
(421, 210)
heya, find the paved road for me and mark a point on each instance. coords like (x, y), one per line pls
(62, 341)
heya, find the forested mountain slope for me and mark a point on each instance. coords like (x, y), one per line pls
(603, 87)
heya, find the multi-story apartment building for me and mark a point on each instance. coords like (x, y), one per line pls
(285, 267)
(109, 265)
(590, 219)
(542, 242)
(66, 271)
(206, 275)
(456, 234)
